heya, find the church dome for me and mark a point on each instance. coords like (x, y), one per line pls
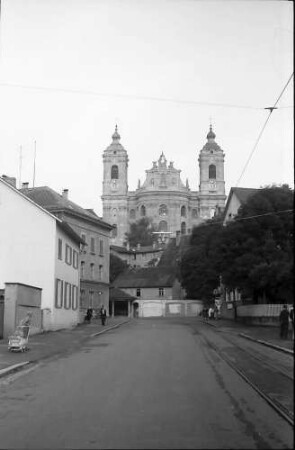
(116, 136)
(211, 134)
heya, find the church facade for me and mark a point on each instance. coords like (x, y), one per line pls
(163, 197)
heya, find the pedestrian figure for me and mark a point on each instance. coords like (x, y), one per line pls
(103, 315)
(211, 313)
(284, 322)
(88, 316)
(292, 320)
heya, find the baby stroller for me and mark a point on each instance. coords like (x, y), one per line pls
(18, 342)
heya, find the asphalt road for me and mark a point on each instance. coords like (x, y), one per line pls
(150, 384)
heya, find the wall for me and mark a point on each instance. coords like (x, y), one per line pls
(266, 314)
(67, 273)
(27, 243)
(19, 300)
(169, 308)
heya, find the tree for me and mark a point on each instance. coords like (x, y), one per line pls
(117, 265)
(141, 232)
(253, 253)
(257, 247)
(199, 266)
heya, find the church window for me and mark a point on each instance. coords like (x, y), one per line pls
(183, 211)
(115, 173)
(163, 210)
(183, 228)
(212, 171)
(142, 211)
(132, 214)
(194, 213)
(114, 231)
(163, 225)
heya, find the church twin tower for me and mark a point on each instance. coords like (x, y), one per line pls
(162, 197)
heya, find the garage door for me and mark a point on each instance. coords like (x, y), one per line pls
(152, 309)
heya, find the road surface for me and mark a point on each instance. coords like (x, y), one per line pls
(151, 384)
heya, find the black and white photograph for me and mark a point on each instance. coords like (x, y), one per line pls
(146, 224)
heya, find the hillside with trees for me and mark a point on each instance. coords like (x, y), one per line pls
(254, 252)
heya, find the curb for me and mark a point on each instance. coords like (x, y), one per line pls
(110, 328)
(14, 368)
(267, 344)
(17, 367)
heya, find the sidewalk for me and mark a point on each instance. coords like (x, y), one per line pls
(268, 335)
(53, 343)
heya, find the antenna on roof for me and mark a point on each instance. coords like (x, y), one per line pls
(35, 149)
(20, 166)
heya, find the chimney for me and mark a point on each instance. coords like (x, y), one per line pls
(9, 180)
(65, 194)
(25, 185)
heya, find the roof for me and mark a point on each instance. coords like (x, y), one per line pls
(142, 249)
(70, 232)
(119, 295)
(146, 278)
(243, 194)
(54, 202)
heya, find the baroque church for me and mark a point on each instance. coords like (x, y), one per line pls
(163, 197)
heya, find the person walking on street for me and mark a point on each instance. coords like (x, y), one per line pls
(88, 316)
(103, 315)
(284, 322)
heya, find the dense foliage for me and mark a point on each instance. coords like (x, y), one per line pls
(117, 265)
(254, 252)
(141, 232)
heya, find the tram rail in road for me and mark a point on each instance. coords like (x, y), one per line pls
(284, 412)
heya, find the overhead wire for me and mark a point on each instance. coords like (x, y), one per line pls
(271, 109)
(130, 96)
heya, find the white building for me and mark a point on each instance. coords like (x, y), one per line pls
(38, 252)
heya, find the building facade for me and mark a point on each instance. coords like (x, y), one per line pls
(163, 197)
(33, 258)
(94, 258)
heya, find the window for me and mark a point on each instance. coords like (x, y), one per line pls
(100, 269)
(101, 253)
(183, 211)
(132, 214)
(82, 269)
(212, 171)
(114, 173)
(92, 245)
(114, 231)
(152, 182)
(82, 297)
(183, 228)
(138, 292)
(161, 292)
(67, 296)
(68, 254)
(163, 210)
(142, 211)
(91, 271)
(59, 249)
(194, 213)
(163, 226)
(75, 259)
(91, 294)
(74, 298)
(58, 293)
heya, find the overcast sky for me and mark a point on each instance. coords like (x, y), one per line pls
(103, 62)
